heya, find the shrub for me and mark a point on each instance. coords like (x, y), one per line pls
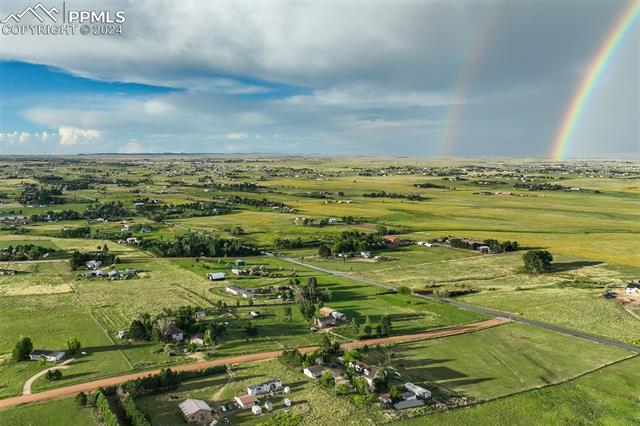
(81, 399)
(134, 415)
(102, 404)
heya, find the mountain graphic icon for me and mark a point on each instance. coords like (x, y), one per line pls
(33, 10)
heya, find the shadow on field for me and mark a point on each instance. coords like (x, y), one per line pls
(76, 375)
(570, 266)
(108, 348)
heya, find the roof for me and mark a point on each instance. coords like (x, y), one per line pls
(246, 399)
(315, 369)
(415, 388)
(409, 403)
(173, 329)
(46, 352)
(191, 406)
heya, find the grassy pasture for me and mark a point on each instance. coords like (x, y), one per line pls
(59, 412)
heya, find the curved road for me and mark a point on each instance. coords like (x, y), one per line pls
(240, 359)
(468, 307)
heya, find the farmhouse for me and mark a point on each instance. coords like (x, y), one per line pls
(197, 338)
(246, 401)
(200, 313)
(365, 254)
(133, 240)
(314, 372)
(633, 288)
(215, 276)
(195, 410)
(324, 322)
(330, 312)
(174, 333)
(47, 355)
(270, 386)
(239, 291)
(326, 311)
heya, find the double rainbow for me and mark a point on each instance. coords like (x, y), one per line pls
(599, 62)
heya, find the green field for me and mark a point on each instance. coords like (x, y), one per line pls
(60, 412)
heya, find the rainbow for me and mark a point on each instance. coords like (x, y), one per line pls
(599, 62)
(464, 78)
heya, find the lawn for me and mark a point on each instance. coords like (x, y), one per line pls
(605, 397)
(499, 361)
(59, 412)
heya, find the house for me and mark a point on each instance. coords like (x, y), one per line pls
(365, 254)
(122, 334)
(287, 402)
(47, 355)
(133, 240)
(254, 314)
(418, 391)
(240, 262)
(425, 244)
(367, 371)
(266, 387)
(633, 288)
(324, 322)
(93, 264)
(268, 406)
(333, 220)
(314, 372)
(391, 240)
(409, 403)
(197, 338)
(246, 401)
(215, 276)
(200, 313)
(195, 410)
(256, 410)
(239, 291)
(339, 316)
(174, 333)
(236, 271)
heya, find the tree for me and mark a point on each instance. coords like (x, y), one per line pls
(324, 250)
(307, 309)
(288, 315)
(351, 355)
(537, 261)
(73, 345)
(404, 290)
(394, 393)
(326, 379)
(138, 331)
(23, 348)
(385, 325)
(326, 344)
(209, 336)
(81, 399)
(53, 375)
(367, 330)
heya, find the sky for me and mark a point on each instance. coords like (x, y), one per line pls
(436, 78)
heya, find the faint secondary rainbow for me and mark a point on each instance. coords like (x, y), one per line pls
(599, 62)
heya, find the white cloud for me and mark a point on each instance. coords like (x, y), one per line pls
(70, 136)
(132, 148)
(236, 136)
(24, 138)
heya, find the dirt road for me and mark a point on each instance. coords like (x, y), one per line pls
(240, 359)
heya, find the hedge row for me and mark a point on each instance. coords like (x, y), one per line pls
(102, 404)
(135, 416)
(166, 380)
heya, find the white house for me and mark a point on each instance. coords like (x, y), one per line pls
(51, 356)
(200, 313)
(93, 264)
(365, 254)
(633, 288)
(239, 291)
(132, 240)
(246, 401)
(174, 333)
(197, 339)
(215, 276)
(254, 314)
(261, 388)
(333, 220)
(314, 372)
(236, 271)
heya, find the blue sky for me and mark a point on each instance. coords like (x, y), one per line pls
(415, 77)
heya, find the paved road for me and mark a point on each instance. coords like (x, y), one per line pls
(474, 308)
(240, 359)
